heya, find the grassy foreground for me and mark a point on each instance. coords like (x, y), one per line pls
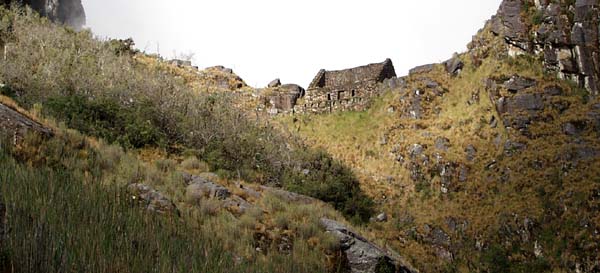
(58, 222)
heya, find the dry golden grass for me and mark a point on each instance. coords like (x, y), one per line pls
(355, 139)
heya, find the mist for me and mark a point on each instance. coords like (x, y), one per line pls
(266, 39)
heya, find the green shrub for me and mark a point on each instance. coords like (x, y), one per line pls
(495, 259)
(328, 180)
(107, 119)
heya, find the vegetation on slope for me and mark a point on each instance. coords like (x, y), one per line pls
(510, 208)
(104, 90)
(67, 201)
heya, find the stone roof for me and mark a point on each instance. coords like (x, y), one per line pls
(376, 72)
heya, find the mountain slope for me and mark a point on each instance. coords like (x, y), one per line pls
(494, 166)
(147, 201)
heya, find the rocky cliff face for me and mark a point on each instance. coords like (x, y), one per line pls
(563, 33)
(68, 12)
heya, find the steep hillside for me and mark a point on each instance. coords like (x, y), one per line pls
(120, 162)
(488, 162)
(112, 160)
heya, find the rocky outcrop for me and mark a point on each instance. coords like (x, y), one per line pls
(282, 98)
(566, 36)
(68, 12)
(421, 69)
(221, 77)
(205, 187)
(274, 83)
(152, 200)
(201, 189)
(454, 65)
(362, 255)
(16, 125)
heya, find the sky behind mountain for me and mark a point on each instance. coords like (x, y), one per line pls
(266, 39)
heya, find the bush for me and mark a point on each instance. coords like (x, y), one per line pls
(328, 180)
(107, 119)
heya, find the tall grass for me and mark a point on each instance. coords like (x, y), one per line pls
(59, 223)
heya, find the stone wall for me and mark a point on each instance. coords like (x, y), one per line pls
(343, 90)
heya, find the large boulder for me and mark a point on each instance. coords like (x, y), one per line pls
(152, 200)
(203, 189)
(283, 98)
(363, 256)
(17, 125)
(454, 65)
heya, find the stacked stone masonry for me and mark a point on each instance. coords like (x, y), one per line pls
(350, 89)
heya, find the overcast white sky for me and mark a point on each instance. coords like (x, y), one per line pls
(266, 39)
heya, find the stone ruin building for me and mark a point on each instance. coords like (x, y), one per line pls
(349, 89)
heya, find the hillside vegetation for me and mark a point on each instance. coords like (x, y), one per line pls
(123, 119)
(467, 187)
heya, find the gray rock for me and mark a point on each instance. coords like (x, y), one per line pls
(518, 83)
(471, 152)
(442, 143)
(422, 69)
(520, 102)
(274, 83)
(395, 83)
(429, 83)
(463, 174)
(201, 189)
(493, 122)
(513, 26)
(362, 255)
(380, 218)
(553, 91)
(574, 128)
(151, 199)
(17, 125)
(443, 253)
(237, 204)
(454, 66)
(511, 147)
(415, 110)
(439, 237)
(286, 96)
(415, 150)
